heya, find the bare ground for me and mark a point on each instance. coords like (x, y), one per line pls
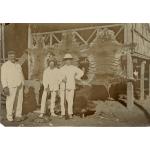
(108, 113)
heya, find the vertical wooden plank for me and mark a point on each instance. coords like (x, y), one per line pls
(3, 42)
(51, 40)
(130, 98)
(29, 46)
(29, 37)
(144, 42)
(130, 90)
(140, 39)
(128, 33)
(142, 80)
(135, 37)
(147, 43)
(148, 36)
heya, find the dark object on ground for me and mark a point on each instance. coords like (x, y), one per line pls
(98, 92)
(82, 104)
(29, 103)
(117, 89)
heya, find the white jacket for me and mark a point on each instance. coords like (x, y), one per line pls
(11, 75)
(51, 79)
(70, 73)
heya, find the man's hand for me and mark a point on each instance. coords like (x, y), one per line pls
(79, 82)
(20, 86)
(6, 91)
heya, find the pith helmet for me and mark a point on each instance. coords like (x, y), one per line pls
(68, 56)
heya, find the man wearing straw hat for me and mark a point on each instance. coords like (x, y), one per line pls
(12, 81)
(69, 74)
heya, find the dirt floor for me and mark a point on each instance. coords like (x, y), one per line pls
(108, 113)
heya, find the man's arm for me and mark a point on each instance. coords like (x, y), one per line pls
(78, 73)
(45, 81)
(4, 76)
(62, 76)
(4, 80)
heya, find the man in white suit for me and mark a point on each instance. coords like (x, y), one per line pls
(69, 73)
(51, 81)
(12, 80)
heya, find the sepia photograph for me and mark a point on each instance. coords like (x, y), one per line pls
(75, 74)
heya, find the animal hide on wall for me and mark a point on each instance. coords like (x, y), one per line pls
(103, 55)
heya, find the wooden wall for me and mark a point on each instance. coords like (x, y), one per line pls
(138, 33)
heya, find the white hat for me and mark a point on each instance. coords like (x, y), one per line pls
(68, 56)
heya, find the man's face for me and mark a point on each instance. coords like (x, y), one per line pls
(51, 64)
(12, 58)
(68, 62)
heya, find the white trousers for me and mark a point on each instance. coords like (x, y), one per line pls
(14, 102)
(43, 102)
(69, 96)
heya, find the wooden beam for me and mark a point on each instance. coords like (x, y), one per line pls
(3, 41)
(127, 33)
(29, 46)
(81, 38)
(80, 29)
(91, 35)
(130, 98)
(142, 80)
(140, 55)
(121, 28)
(51, 40)
(56, 38)
(29, 37)
(130, 90)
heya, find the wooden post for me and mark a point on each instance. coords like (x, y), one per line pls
(142, 80)
(29, 37)
(51, 40)
(130, 90)
(3, 42)
(29, 46)
(128, 33)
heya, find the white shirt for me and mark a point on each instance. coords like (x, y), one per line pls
(11, 75)
(51, 79)
(70, 73)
